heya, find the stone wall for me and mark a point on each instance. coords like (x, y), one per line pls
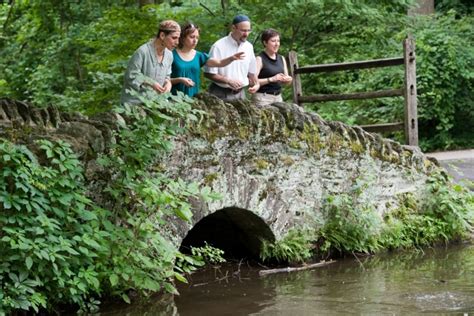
(281, 162)
(278, 162)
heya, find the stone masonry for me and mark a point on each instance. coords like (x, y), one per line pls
(279, 162)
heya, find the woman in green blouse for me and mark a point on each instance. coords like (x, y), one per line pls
(187, 62)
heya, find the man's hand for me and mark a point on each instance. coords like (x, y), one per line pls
(234, 84)
(238, 56)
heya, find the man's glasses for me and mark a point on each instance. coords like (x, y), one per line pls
(244, 31)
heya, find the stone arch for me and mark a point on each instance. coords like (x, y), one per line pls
(237, 231)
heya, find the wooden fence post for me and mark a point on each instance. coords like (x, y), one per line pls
(411, 118)
(293, 65)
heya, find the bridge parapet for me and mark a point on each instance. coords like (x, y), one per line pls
(278, 162)
(281, 162)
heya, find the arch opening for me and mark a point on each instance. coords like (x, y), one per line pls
(238, 232)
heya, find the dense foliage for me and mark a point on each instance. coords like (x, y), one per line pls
(446, 80)
(351, 224)
(60, 247)
(52, 236)
(74, 54)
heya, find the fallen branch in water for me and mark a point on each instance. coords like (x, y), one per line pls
(292, 269)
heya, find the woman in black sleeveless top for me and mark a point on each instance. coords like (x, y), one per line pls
(271, 70)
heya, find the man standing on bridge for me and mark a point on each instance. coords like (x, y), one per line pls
(228, 82)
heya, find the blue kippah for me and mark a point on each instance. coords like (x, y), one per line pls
(240, 18)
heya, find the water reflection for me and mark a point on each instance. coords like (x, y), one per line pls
(439, 281)
(158, 305)
(227, 290)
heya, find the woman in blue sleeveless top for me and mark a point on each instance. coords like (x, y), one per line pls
(187, 62)
(272, 72)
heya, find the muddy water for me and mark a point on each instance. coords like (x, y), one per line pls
(436, 281)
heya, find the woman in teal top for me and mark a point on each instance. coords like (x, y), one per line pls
(187, 62)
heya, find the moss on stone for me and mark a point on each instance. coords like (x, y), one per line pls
(209, 178)
(375, 154)
(395, 158)
(357, 147)
(243, 132)
(294, 143)
(261, 164)
(428, 164)
(334, 143)
(21, 132)
(311, 136)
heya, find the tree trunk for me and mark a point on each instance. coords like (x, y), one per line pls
(422, 7)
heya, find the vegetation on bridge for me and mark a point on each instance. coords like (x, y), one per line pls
(353, 226)
(59, 247)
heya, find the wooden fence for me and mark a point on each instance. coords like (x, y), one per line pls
(408, 91)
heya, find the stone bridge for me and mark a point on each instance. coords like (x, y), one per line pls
(274, 167)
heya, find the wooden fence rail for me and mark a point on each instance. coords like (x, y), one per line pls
(408, 91)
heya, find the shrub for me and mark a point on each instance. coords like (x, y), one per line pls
(52, 235)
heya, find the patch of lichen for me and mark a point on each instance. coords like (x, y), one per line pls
(287, 160)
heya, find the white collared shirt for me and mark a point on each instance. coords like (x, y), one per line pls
(238, 69)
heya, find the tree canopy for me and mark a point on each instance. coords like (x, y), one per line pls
(73, 54)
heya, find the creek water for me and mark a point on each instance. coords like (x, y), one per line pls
(436, 281)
